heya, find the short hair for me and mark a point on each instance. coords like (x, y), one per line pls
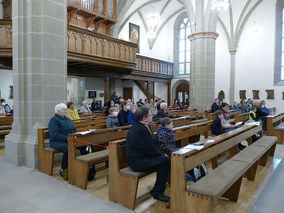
(166, 121)
(59, 107)
(218, 112)
(141, 112)
(253, 107)
(83, 102)
(112, 109)
(2, 100)
(123, 103)
(69, 104)
(163, 104)
(224, 104)
(133, 106)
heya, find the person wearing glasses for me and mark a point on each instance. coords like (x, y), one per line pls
(143, 152)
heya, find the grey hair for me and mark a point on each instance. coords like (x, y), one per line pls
(163, 104)
(84, 102)
(59, 107)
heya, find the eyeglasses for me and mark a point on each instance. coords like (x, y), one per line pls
(149, 115)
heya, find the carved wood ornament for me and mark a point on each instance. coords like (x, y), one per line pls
(270, 94)
(243, 94)
(255, 94)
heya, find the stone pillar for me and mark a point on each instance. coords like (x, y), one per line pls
(106, 89)
(202, 70)
(149, 90)
(39, 73)
(169, 92)
(232, 75)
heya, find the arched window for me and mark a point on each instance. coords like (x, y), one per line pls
(279, 44)
(184, 47)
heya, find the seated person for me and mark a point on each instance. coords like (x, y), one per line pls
(225, 121)
(2, 109)
(123, 114)
(217, 127)
(260, 115)
(175, 105)
(215, 105)
(72, 113)
(84, 109)
(95, 106)
(264, 108)
(112, 120)
(7, 108)
(130, 117)
(143, 152)
(163, 112)
(235, 106)
(252, 114)
(59, 127)
(244, 107)
(166, 137)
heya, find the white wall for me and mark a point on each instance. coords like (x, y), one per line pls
(254, 58)
(163, 47)
(161, 90)
(222, 67)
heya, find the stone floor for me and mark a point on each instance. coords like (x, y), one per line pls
(25, 190)
(271, 198)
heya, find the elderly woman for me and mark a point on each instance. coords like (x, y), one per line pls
(163, 112)
(2, 109)
(84, 108)
(59, 127)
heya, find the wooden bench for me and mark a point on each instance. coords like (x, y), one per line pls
(212, 116)
(45, 152)
(78, 166)
(275, 126)
(241, 117)
(124, 181)
(5, 125)
(225, 180)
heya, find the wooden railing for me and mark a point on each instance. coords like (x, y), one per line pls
(88, 43)
(146, 64)
(6, 37)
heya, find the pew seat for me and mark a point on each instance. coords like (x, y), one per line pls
(225, 180)
(130, 172)
(93, 157)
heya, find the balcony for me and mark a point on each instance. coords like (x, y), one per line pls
(94, 54)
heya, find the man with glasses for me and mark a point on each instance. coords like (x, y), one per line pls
(143, 152)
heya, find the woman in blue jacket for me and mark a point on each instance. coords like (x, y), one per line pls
(59, 127)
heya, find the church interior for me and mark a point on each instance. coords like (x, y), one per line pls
(208, 73)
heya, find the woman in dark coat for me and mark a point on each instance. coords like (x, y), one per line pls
(59, 127)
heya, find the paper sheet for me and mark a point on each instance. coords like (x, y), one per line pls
(239, 123)
(191, 146)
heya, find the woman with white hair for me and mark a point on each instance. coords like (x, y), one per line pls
(84, 108)
(59, 127)
(163, 112)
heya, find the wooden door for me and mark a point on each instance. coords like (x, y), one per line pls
(127, 93)
(182, 92)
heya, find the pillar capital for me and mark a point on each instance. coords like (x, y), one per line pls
(203, 35)
(233, 52)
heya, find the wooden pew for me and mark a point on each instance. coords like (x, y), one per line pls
(275, 126)
(122, 180)
(224, 180)
(212, 116)
(45, 153)
(241, 117)
(5, 125)
(78, 167)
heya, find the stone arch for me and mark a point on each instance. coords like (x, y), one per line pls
(175, 86)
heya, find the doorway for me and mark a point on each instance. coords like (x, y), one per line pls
(182, 93)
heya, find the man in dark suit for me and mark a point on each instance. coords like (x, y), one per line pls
(143, 152)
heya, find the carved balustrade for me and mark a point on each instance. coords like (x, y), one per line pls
(146, 64)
